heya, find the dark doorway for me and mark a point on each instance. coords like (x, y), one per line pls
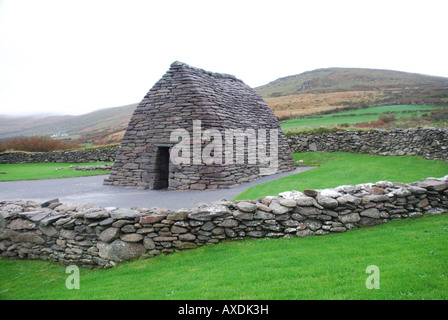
(162, 168)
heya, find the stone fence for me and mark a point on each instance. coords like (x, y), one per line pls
(91, 236)
(431, 143)
(75, 156)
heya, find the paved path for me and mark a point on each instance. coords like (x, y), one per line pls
(84, 190)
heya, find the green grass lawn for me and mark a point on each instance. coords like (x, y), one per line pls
(341, 168)
(360, 115)
(411, 255)
(34, 171)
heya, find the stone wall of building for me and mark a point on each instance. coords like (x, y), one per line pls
(91, 236)
(76, 156)
(431, 143)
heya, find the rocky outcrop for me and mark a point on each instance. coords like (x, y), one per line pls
(91, 236)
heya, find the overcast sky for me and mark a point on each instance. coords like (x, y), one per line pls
(73, 57)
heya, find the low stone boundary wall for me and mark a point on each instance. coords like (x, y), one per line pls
(93, 168)
(431, 143)
(75, 156)
(91, 236)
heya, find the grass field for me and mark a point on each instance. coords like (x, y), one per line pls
(411, 255)
(341, 168)
(355, 116)
(33, 171)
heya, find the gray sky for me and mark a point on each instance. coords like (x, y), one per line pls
(73, 57)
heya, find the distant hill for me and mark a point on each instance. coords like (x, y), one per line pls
(83, 128)
(331, 88)
(306, 93)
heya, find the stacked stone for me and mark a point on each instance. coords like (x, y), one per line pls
(185, 94)
(74, 156)
(431, 143)
(93, 168)
(90, 236)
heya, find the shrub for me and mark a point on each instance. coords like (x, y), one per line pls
(387, 117)
(372, 124)
(439, 114)
(37, 144)
(284, 117)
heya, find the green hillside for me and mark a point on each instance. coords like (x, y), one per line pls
(347, 79)
(368, 115)
(317, 91)
(103, 120)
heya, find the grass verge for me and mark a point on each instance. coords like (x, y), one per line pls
(411, 255)
(341, 168)
(35, 171)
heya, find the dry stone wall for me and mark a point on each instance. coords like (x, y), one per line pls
(431, 143)
(74, 156)
(91, 236)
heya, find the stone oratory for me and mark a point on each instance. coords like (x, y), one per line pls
(199, 130)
